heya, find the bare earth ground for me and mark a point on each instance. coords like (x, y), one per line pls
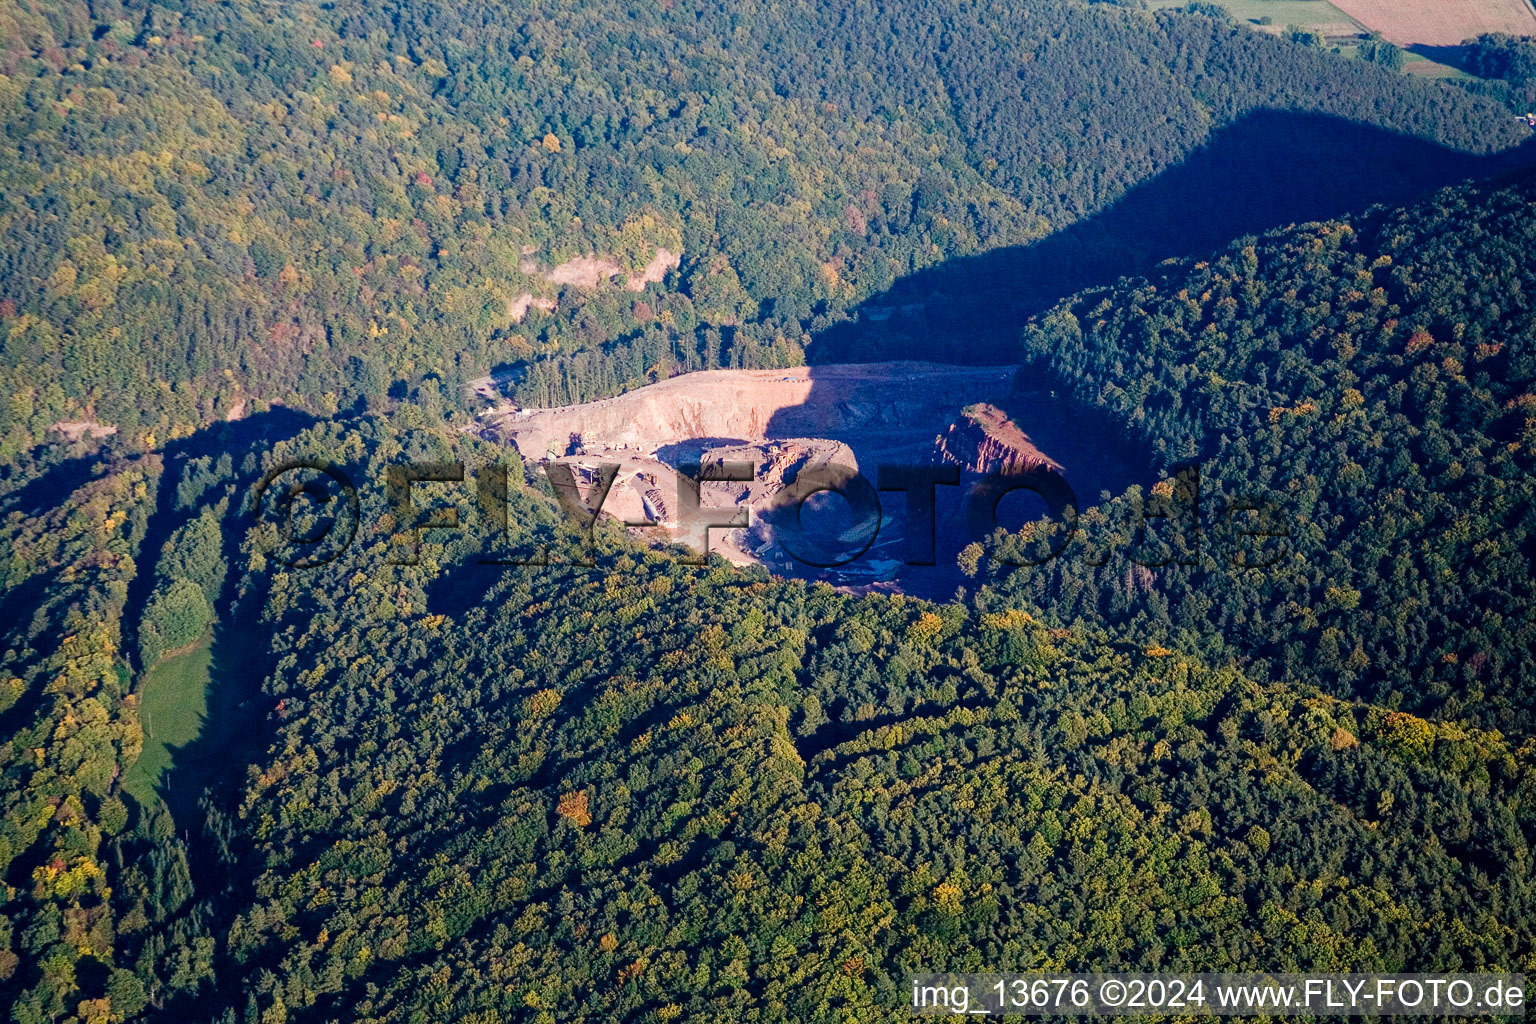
(1441, 22)
(74, 430)
(781, 421)
(850, 402)
(982, 419)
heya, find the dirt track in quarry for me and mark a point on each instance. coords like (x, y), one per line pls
(784, 422)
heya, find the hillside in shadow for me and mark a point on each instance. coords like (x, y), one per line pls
(1268, 169)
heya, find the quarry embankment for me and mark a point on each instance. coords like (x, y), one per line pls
(858, 415)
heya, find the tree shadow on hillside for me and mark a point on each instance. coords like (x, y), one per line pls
(1455, 56)
(52, 487)
(235, 438)
(1269, 169)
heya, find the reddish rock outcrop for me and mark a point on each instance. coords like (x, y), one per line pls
(984, 440)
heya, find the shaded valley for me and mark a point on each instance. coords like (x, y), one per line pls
(1269, 169)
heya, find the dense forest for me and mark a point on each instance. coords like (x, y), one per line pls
(433, 785)
(209, 207)
(1369, 385)
(1505, 67)
(646, 789)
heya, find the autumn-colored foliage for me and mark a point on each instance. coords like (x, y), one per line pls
(573, 807)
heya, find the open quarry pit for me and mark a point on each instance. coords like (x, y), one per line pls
(785, 422)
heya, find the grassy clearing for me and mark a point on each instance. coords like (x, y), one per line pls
(1314, 14)
(173, 710)
(1417, 64)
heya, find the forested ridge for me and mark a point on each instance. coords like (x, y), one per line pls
(1370, 383)
(675, 790)
(647, 790)
(209, 207)
(654, 791)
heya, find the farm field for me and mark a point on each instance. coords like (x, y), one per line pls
(1460, 19)
(1441, 22)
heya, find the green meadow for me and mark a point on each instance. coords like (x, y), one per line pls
(174, 709)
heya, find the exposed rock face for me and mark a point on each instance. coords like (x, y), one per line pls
(519, 307)
(892, 406)
(655, 271)
(588, 272)
(783, 422)
(984, 440)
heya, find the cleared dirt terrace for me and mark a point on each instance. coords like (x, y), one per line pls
(784, 422)
(854, 402)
